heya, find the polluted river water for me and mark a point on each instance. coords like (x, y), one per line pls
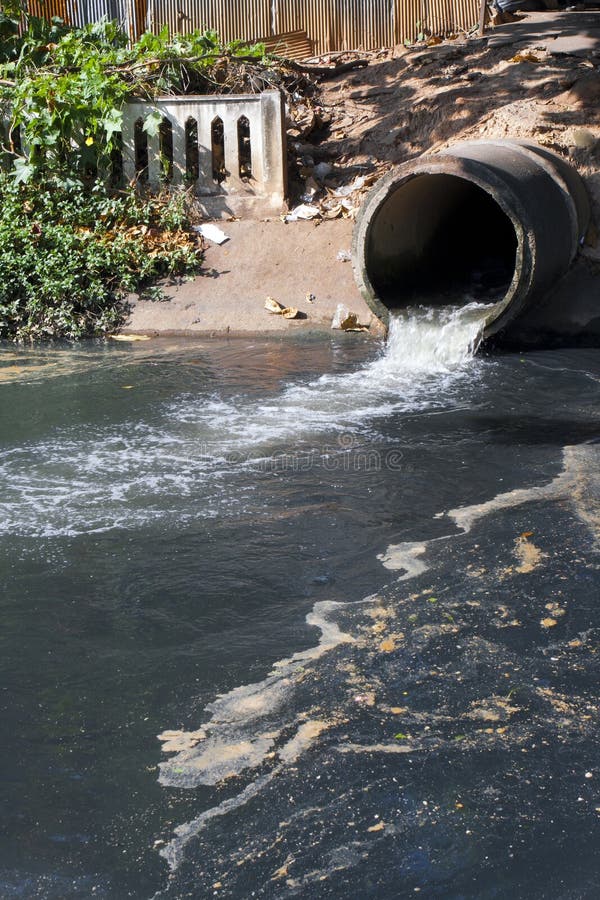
(301, 618)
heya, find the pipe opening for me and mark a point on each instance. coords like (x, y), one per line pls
(440, 240)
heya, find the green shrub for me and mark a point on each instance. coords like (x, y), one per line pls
(69, 257)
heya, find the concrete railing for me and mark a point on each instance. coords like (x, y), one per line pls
(230, 148)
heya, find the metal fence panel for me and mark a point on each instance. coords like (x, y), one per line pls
(233, 19)
(467, 13)
(369, 25)
(408, 15)
(339, 24)
(330, 24)
(435, 17)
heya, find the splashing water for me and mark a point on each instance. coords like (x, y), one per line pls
(426, 350)
(434, 339)
(119, 476)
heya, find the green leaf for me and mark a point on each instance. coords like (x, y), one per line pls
(23, 171)
(112, 123)
(152, 123)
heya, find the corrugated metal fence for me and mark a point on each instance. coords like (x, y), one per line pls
(330, 24)
(233, 19)
(130, 14)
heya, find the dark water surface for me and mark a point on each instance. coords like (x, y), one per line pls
(170, 514)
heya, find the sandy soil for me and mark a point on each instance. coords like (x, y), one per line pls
(537, 78)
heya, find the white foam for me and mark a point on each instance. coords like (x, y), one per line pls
(578, 483)
(172, 852)
(405, 557)
(243, 727)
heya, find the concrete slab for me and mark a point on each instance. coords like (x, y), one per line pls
(261, 259)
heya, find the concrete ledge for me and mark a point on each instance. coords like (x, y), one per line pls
(261, 259)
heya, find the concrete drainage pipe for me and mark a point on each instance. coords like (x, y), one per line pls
(497, 222)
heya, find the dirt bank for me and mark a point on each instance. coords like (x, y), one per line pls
(537, 78)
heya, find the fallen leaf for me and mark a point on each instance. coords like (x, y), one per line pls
(555, 609)
(548, 623)
(351, 321)
(525, 57)
(274, 306)
(379, 827)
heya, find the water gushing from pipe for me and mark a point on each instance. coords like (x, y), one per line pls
(484, 220)
(432, 339)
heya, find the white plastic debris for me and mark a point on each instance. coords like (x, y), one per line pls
(346, 190)
(340, 315)
(344, 256)
(212, 233)
(304, 211)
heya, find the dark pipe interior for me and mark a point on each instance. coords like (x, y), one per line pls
(438, 240)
